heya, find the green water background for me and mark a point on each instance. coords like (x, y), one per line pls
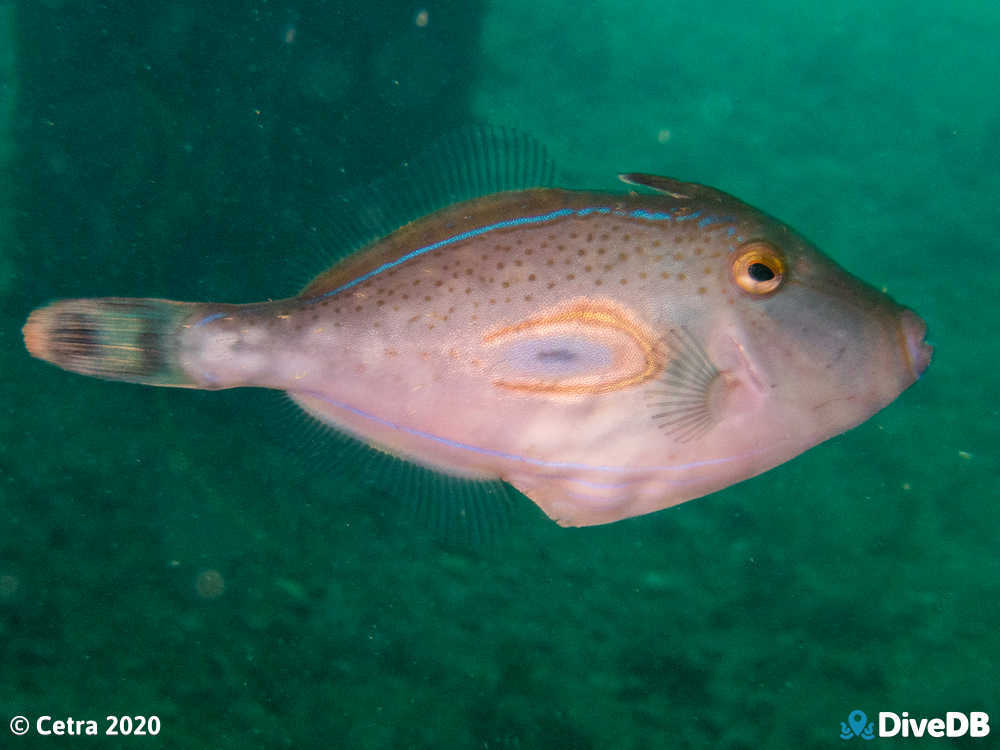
(191, 150)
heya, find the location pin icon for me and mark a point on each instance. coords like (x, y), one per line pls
(857, 720)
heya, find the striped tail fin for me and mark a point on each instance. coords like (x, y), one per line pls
(115, 338)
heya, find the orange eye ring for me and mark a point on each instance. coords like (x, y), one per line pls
(759, 268)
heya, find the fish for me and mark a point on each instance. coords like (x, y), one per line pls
(607, 354)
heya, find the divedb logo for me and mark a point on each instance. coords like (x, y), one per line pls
(975, 724)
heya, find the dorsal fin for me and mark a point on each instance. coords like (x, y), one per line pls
(467, 163)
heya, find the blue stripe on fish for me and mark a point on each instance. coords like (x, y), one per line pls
(208, 319)
(525, 459)
(639, 213)
(518, 222)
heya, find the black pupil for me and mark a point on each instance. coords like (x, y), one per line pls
(760, 272)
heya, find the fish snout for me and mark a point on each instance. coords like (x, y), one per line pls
(918, 352)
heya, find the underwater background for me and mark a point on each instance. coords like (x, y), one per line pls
(205, 557)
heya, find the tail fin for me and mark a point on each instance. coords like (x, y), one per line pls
(116, 338)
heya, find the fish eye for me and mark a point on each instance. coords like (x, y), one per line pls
(758, 268)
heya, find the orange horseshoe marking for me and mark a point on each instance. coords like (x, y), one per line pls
(602, 317)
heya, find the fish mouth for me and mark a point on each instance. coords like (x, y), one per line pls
(912, 332)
